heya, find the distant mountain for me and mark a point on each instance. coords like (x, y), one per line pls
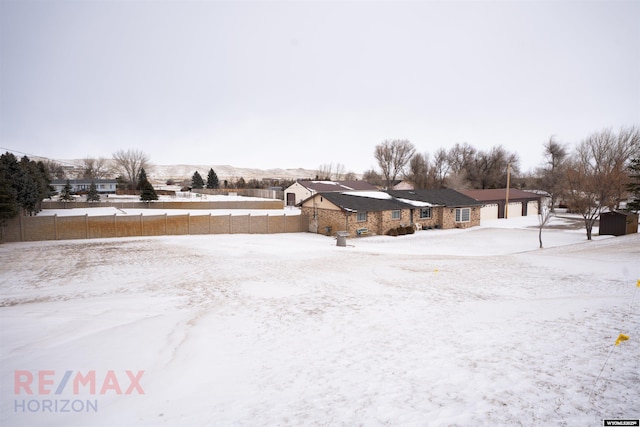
(164, 172)
(161, 173)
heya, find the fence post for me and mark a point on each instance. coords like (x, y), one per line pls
(21, 226)
(267, 223)
(209, 222)
(165, 223)
(115, 226)
(141, 225)
(249, 221)
(189, 223)
(86, 226)
(230, 227)
(285, 222)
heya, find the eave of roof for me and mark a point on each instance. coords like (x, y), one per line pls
(496, 194)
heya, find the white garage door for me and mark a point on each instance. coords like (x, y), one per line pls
(489, 212)
(532, 208)
(515, 209)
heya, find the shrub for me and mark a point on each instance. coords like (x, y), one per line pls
(401, 231)
(410, 229)
(393, 232)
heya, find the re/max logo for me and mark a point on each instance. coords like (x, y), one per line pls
(44, 382)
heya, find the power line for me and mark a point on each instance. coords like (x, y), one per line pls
(35, 155)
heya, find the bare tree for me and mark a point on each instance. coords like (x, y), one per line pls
(460, 156)
(489, 168)
(350, 176)
(372, 177)
(55, 169)
(440, 168)
(340, 172)
(324, 171)
(597, 177)
(544, 215)
(331, 171)
(553, 173)
(129, 163)
(95, 168)
(392, 157)
(418, 172)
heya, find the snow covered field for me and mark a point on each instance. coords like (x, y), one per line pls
(443, 327)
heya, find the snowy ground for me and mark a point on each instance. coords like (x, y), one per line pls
(443, 327)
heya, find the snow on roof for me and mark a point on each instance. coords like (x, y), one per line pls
(416, 203)
(371, 194)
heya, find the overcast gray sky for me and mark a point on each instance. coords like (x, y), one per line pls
(299, 84)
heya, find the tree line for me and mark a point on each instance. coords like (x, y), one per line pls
(24, 184)
(601, 172)
(462, 166)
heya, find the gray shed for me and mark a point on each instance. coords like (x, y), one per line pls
(618, 223)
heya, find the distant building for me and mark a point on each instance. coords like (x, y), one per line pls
(302, 190)
(104, 186)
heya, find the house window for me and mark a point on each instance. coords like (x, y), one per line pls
(361, 216)
(395, 214)
(425, 213)
(463, 214)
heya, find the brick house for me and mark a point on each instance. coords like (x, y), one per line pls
(441, 208)
(378, 212)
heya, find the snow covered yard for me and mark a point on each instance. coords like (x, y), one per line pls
(443, 327)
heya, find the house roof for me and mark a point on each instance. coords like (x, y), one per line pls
(326, 186)
(618, 213)
(496, 194)
(440, 197)
(368, 201)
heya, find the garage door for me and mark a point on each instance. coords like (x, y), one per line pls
(532, 208)
(489, 212)
(515, 209)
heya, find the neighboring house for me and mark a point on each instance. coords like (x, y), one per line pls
(302, 190)
(104, 186)
(521, 203)
(377, 212)
(402, 185)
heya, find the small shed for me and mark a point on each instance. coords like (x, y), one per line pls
(618, 223)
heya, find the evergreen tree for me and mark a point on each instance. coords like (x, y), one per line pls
(241, 183)
(197, 181)
(8, 204)
(147, 192)
(93, 195)
(29, 182)
(634, 185)
(142, 177)
(212, 179)
(65, 194)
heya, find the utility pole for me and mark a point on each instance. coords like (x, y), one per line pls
(506, 203)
